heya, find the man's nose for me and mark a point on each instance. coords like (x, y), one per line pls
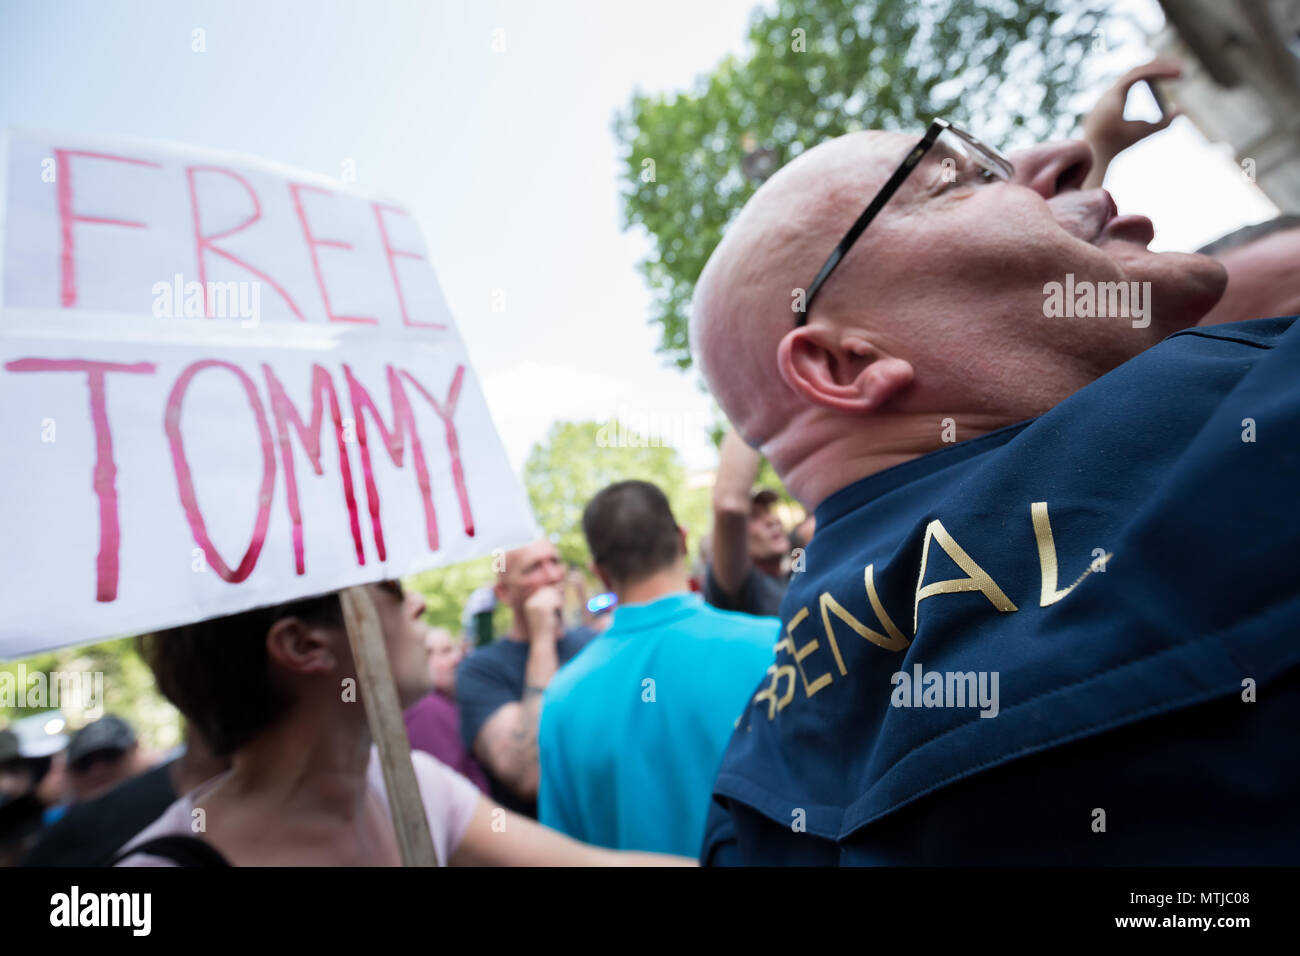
(1052, 168)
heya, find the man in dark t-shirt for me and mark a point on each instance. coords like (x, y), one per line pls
(759, 593)
(958, 638)
(1049, 613)
(747, 572)
(491, 678)
(499, 686)
(90, 833)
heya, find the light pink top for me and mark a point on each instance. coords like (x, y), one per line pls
(449, 802)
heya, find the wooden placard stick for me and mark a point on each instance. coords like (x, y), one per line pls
(387, 727)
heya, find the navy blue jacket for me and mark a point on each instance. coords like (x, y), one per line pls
(1120, 576)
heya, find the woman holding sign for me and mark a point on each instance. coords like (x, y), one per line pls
(275, 688)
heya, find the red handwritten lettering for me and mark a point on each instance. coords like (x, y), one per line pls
(447, 412)
(204, 243)
(403, 420)
(185, 481)
(285, 415)
(68, 217)
(295, 190)
(392, 256)
(105, 480)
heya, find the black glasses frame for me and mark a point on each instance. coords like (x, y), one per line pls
(997, 164)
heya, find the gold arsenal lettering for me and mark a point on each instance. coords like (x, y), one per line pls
(812, 672)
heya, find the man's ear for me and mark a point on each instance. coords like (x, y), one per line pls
(840, 370)
(300, 647)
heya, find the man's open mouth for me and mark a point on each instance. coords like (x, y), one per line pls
(1130, 228)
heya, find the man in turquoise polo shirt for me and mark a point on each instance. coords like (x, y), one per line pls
(633, 729)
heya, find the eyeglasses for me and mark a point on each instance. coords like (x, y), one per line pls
(992, 165)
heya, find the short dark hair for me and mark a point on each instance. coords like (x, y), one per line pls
(631, 531)
(1248, 234)
(217, 672)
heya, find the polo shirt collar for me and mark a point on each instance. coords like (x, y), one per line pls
(638, 617)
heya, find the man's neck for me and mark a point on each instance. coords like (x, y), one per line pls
(818, 458)
(660, 584)
(518, 627)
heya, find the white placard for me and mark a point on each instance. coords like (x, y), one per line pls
(223, 384)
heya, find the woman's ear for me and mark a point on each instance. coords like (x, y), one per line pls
(301, 648)
(840, 370)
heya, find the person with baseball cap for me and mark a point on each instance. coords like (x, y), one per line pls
(30, 786)
(749, 543)
(100, 756)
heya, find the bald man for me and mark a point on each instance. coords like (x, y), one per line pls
(499, 686)
(1049, 612)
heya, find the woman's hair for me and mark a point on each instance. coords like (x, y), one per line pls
(217, 672)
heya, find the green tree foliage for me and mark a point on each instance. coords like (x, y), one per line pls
(446, 590)
(578, 459)
(561, 475)
(128, 690)
(814, 70)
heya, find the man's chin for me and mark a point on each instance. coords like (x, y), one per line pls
(1195, 292)
(1184, 286)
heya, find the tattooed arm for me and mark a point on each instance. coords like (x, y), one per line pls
(507, 744)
